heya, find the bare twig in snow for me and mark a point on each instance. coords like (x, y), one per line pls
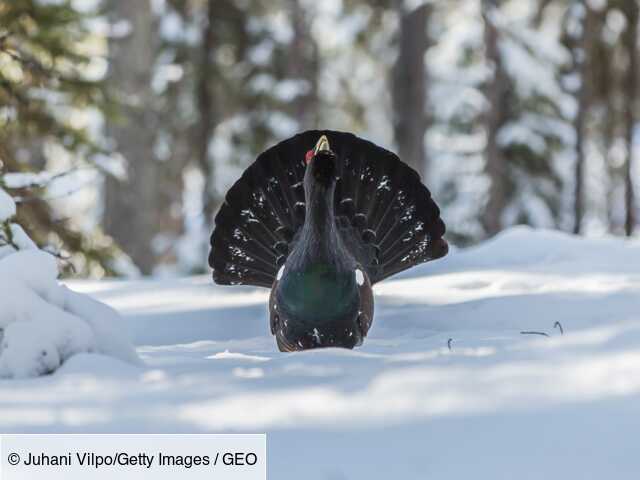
(535, 333)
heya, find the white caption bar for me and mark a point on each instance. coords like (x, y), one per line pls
(131, 457)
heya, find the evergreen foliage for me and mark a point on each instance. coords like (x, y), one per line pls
(46, 85)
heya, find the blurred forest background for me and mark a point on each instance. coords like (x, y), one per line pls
(122, 123)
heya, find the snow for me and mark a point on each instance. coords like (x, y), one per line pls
(7, 206)
(44, 323)
(497, 404)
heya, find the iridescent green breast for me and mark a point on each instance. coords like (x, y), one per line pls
(317, 292)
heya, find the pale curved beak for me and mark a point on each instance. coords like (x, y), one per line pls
(322, 145)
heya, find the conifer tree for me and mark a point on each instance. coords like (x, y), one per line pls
(46, 80)
(501, 119)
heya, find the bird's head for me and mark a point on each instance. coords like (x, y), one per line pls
(321, 164)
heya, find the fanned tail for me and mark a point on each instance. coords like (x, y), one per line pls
(257, 222)
(386, 215)
(393, 212)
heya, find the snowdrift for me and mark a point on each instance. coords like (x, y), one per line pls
(43, 323)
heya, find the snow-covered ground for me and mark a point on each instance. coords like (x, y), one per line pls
(43, 323)
(497, 405)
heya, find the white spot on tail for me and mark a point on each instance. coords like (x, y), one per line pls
(280, 273)
(359, 277)
(316, 336)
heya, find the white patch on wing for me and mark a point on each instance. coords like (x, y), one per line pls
(280, 272)
(359, 277)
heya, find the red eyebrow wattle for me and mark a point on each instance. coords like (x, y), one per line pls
(308, 156)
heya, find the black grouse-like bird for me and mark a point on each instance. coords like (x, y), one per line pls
(319, 219)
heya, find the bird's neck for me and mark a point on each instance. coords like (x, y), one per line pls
(319, 215)
(320, 242)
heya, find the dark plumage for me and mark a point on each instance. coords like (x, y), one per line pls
(320, 234)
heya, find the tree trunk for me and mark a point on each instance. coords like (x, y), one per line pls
(130, 204)
(608, 137)
(409, 86)
(303, 65)
(580, 55)
(579, 127)
(206, 112)
(630, 39)
(496, 91)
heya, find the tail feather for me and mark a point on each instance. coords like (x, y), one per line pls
(386, 215)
